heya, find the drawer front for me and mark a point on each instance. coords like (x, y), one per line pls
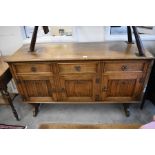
(124, 66)
(25, 68)
(66, 68)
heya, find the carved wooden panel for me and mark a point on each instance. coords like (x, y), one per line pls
(37, 88)
(79, 88)
(121, 87)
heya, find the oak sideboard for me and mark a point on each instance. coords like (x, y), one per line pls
(109, 72)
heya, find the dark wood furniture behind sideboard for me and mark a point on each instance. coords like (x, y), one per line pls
(150, 90)
(5, 78)
(109, 72)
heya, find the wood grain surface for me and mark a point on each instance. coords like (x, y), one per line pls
(79, 51)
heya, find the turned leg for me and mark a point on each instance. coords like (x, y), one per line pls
(129, 32)
(36, 109)
(14, 110)
(126, 109)
(138, 41)
(5, 92)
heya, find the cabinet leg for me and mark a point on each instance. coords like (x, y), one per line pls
(14, 111)
(36, 109)
(126, 109)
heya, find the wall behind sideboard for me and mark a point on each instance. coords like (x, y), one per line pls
(89, 34)
(10, 39)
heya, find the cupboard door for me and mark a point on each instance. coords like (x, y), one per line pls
(36, 89)
(79, 88)
(123, 87)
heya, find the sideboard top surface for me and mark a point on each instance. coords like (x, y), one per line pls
(79, 51)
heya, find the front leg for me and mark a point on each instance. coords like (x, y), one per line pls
(126, 109)
(36, 109)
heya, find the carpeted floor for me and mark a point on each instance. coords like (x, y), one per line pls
(67, 113)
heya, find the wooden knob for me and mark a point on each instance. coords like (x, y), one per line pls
(33, 69)
(124, 68)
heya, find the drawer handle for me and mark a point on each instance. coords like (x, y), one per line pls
(124, 68)
(33, 69)
(77, 68)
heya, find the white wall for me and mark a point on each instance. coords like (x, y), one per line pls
(10, 39)
(89, 33)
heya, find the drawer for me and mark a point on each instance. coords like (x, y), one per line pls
(25, 68)
(124, 66)
(66, 68)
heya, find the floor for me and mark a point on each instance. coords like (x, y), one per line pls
(105, 113)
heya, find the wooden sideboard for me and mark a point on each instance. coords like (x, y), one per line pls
(109, 72)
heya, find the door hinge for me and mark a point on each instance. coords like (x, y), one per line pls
(97, 80)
